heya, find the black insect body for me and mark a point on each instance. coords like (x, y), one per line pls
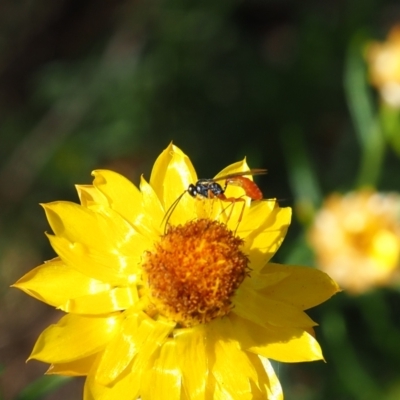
(206, 188)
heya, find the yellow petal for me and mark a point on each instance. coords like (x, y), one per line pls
(79, 367)
(152, 206)
(267, 379)
(231, 368)
(123, 196)
(92, 228)
(74, 337)
(302, 287)
(191, 353)
(55, 283)
(89, 196)
(263, 310)
(182, 207)
(171, 175)
(118, 353)
(164, 379)
(139, 343)
(127, 384)
(127, 240)
(262, 243)
(260, 280)
(88, 391)
(150, 335)
(281, 344)
(239, 166)
(296, 349)
(74, 222)
(255, 216)
(105, 302)
(104, 266)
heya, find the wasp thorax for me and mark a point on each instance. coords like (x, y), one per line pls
(194, 271)
(205, 188)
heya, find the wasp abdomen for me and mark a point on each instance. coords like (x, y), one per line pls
(250, 188)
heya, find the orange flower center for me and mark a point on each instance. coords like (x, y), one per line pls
(194, 271)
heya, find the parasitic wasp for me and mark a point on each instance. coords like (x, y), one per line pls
(210, 189)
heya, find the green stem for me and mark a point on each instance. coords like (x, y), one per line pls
(363, 114)
(349, 369)
(302, 179)
(43, 386)
(377, 315)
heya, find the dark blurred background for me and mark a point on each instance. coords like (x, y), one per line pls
(108, 84)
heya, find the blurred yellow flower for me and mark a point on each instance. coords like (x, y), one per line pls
(384, 67)
(194, 312)
(356, 239)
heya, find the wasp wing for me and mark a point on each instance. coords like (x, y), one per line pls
(256, 171)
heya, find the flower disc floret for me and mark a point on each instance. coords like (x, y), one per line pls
(194, 271)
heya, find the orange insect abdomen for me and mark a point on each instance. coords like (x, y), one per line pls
(250, 188)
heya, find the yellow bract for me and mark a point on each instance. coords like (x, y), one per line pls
(114, 332)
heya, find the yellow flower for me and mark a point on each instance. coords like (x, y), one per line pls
(384, 67)
(356, 239)
(188, 311)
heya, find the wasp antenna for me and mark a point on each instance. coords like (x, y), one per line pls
(170, 210)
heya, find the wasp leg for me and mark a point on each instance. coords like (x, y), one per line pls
(232, 201)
